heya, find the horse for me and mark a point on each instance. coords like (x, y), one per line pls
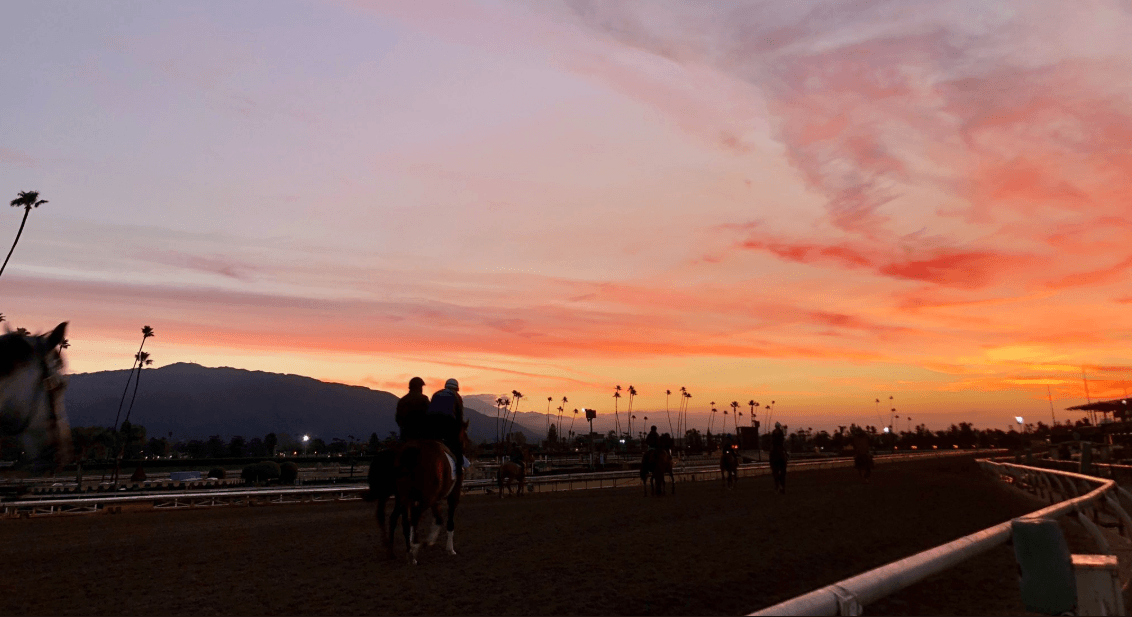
(33, 421)
(425, 476)
(729, 469)
(382, 479)
(778, 458)
(658, 463)
(862, 458)
(508, 472)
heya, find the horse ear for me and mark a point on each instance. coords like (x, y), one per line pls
(57, 335)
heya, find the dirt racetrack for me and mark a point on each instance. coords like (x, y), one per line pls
(597, 552)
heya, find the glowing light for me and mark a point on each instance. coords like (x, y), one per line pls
(1018, 419)
(886, 431)
(306, 437)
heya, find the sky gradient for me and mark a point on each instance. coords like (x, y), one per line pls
(819, 203)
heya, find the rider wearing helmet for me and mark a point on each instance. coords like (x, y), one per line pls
(446, 419)
(411, 410)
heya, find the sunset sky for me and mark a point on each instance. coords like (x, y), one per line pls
(819, 203)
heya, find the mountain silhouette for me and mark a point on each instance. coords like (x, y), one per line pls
(194, 402)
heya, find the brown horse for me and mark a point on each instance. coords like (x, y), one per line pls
(509, 472)
(862, 458)
(657, 463)
(33, 424)
(426, 475)
(729, 468)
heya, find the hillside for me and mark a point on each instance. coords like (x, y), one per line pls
(194, 402)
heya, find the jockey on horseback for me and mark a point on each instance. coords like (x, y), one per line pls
(411, 411)
(652, 442)
(444, 420)
(517, 455)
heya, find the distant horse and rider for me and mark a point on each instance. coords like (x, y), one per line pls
(778, 458)
(729, 468)
(33, 423)
(862, 457)
(426, 469)
(657, 462)
(514, 470)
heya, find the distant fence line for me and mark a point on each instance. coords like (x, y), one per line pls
(217, 497)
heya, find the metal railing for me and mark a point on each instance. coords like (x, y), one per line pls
(215, 497)
(1081, 495)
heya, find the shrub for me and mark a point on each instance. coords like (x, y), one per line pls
(260, 472)
(218, 473)
(288, 473)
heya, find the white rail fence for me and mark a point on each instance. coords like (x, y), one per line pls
(1084, 497)
(216, 497)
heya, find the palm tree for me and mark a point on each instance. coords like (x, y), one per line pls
(687, 403)
(632, 393)
(27, 200)
(564, 401)
(572, 420)
(735, 416)
(146, 333)
(515, 413)
(142, 359)
(548, 400)
(616, 421)
(711, 418)
(500, 403)
(668, 393)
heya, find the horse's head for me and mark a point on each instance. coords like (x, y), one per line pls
(33, 423)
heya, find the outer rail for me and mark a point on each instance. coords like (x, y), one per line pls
(846, 597)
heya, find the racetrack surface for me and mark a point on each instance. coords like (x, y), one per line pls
(598, 552)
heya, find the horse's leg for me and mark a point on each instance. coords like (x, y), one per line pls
(673, 478)
(453, 501)
(437, 522)
(414, 521)
(386, 537)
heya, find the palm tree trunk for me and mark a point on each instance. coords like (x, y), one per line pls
(27, 211)
(135, 395)
(127, 388)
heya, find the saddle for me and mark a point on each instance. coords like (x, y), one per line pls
(402, 466)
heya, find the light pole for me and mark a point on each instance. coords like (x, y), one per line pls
(306, 440)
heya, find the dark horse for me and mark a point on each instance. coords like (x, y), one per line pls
(383, 485)
(778, 459)
(509, 472)
(862, 458)
(32, 418)
(419, 476)
(729, 468)
(657, 463)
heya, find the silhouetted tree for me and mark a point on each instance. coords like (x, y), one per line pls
(26, 200)
(146, 333)
(270, 441)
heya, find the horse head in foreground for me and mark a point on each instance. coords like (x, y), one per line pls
(33, 424)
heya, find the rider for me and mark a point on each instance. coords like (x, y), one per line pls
(666, 442)
(516, 454)
(652, 441)
(446, 418)
(411, 410)
(777, 437)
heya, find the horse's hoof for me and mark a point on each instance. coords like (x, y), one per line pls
(451, 552)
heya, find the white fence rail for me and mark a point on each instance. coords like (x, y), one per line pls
(1082, 495)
